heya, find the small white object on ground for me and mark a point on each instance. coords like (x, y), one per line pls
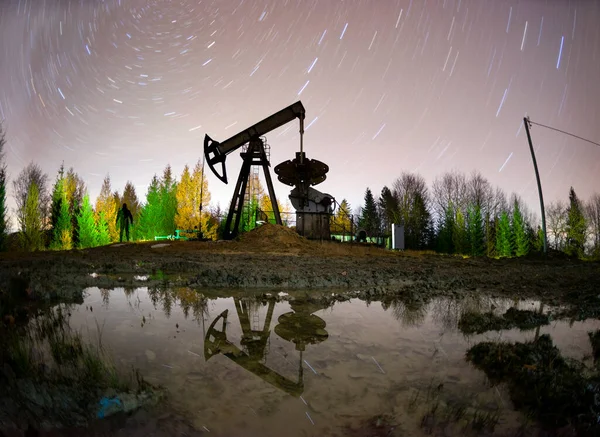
(156, 246)
(118, 245)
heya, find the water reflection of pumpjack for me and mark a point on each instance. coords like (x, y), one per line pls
(299, 326)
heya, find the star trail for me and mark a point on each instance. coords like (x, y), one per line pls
(126, 86)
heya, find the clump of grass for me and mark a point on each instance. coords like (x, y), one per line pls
(595, 341)
(54, 375)
(554, 390)
(478, 323)
(525, 319)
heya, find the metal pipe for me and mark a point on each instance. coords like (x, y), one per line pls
(539, 184)
(301, 138)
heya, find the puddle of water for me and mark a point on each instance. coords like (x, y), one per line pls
(240, 367)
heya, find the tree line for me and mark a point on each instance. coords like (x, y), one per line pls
(466, 215)
(459, 214)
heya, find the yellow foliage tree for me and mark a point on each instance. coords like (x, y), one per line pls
(106, 203)
(265, 205)
(342, 223)
(192, 192)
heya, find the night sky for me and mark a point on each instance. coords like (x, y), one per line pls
(125, 87)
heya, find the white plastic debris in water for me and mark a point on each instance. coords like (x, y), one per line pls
(378, 365)
(140, 277)
(94, 275)
(311, 367)
(309, 418)
(282, 294)
(156, 246)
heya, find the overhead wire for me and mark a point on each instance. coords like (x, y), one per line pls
(564, 132)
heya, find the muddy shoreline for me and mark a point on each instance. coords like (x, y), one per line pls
(206, 266)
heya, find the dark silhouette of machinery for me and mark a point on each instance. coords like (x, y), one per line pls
(313, 208)
(298, 326)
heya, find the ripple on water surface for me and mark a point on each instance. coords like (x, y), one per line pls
(238, 366)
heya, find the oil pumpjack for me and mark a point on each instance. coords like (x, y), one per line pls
(313, 208)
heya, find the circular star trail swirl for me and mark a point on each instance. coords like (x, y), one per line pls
(126, 86)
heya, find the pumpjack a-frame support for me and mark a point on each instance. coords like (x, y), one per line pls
(254, 155)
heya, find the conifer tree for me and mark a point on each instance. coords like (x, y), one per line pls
(168, 202)
(149, 222)
(476, 231)
(103, 236)
(576, 226)
(130, 198)
(105, 203)
(369, 219)
(459, 234)
(88, 233)
(521, 240)
(58, 193)
(342, 223)
(187, 216)
(74, 190)
(504, 247)
(63, 228)
(445, 235)
(388, 205)
(31, 230)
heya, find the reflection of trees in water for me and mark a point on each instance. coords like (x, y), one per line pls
(408, 311)
(105, 294)
(446, 312)
(187, 298)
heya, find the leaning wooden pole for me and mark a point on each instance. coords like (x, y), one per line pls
(539, 184)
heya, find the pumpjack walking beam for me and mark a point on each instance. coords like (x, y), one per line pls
(216, 153)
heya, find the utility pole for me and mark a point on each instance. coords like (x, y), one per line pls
(539, 184)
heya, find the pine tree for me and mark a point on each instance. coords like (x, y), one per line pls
(459, 234)
(490, 235)
(576, 227)
(74, 190)
(445, 235)
(168, 202)
(64, 230)
(389, 208)
(538, 243)
(103, 236)
(31, 232)
(504, 247)
(521, 240)
(476, 231)
(58, 193)
(88, 233)
(342, 222)
(418, 227)
(149, 222)
(369, 219)
(130, 198)
(187, 216)
(105, 203)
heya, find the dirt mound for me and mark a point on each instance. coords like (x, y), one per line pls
(272, 238)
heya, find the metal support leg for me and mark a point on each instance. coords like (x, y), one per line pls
(274, 205)
(237, 202)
